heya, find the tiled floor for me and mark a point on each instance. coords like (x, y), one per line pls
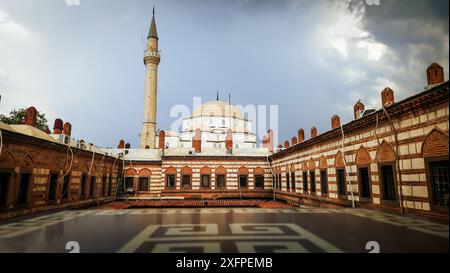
(224, 230)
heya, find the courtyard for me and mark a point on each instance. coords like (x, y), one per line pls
(216, 230)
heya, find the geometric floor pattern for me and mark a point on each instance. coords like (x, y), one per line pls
(215, 230)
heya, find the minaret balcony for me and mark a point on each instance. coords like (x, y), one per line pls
(151, 57)
(149, 53)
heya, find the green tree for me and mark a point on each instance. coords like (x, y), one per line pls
(18, 117)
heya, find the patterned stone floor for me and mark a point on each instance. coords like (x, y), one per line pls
(213, 230)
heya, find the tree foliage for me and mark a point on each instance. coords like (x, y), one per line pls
(17, 116)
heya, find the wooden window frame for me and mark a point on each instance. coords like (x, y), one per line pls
(209, 181)
(262, 186)
(322, 193)
(394, 174)
(174, 181)
(139, 184)
(433, 206)
(341, 196)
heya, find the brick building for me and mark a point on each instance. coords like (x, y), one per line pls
(393, 158)
(40, 171)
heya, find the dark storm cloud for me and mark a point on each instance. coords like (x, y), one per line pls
(312, 58)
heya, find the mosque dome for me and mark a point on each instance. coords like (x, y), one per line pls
(217, 108)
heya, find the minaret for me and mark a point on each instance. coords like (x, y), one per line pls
(151, 61)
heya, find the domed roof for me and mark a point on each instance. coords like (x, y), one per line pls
(217, 108)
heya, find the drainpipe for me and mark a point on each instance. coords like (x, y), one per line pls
(397, 160)
(345, 166)
(273, 175)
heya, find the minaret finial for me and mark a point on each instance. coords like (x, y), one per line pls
(152, 32)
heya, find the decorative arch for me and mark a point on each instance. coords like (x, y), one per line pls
(7, 159)
(362, 156)
(85, 168)
(304, 166)
(186, 170)
(385, 153)
(243, 170)
(145, 172)
(27, 161)
(171, 170)
(292, 167)
(277, 170)
(54, 164)
(312, 164)
(323, 163)
(339, 160)
(435, 144)
(94, 168)
(205, 170)
(221, 170)
(258, 171)
(128, 172)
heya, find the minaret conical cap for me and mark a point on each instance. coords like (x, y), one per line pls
(152, 33)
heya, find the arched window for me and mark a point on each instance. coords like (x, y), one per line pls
(340, 175)
(243, 177)
(305, 177)
(144, 179)
(186, 177)
(323, 166)
(312, 175)
(205, 177)
(363, 164)
(171, 178)
(293, 177)
(287, 178)
(221, 177)
(435, 152)
(258, 173)
(278, 178)
(6, 177)
(386, 159)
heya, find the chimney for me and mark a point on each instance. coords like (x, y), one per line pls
(293, 141)
(313, 132)
(387, 97)
(301, 135)
(31, 116)
(121, 144)
(435, 74)
(265, 141)
(162, 140)
(58, 126)
(67, 129)
(197, 141)
(286, 144)
(128, 146)
(229, 140)
(335, 122)
(270, 140)
(358, 109)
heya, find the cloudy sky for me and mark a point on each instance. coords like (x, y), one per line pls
(311, 58)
